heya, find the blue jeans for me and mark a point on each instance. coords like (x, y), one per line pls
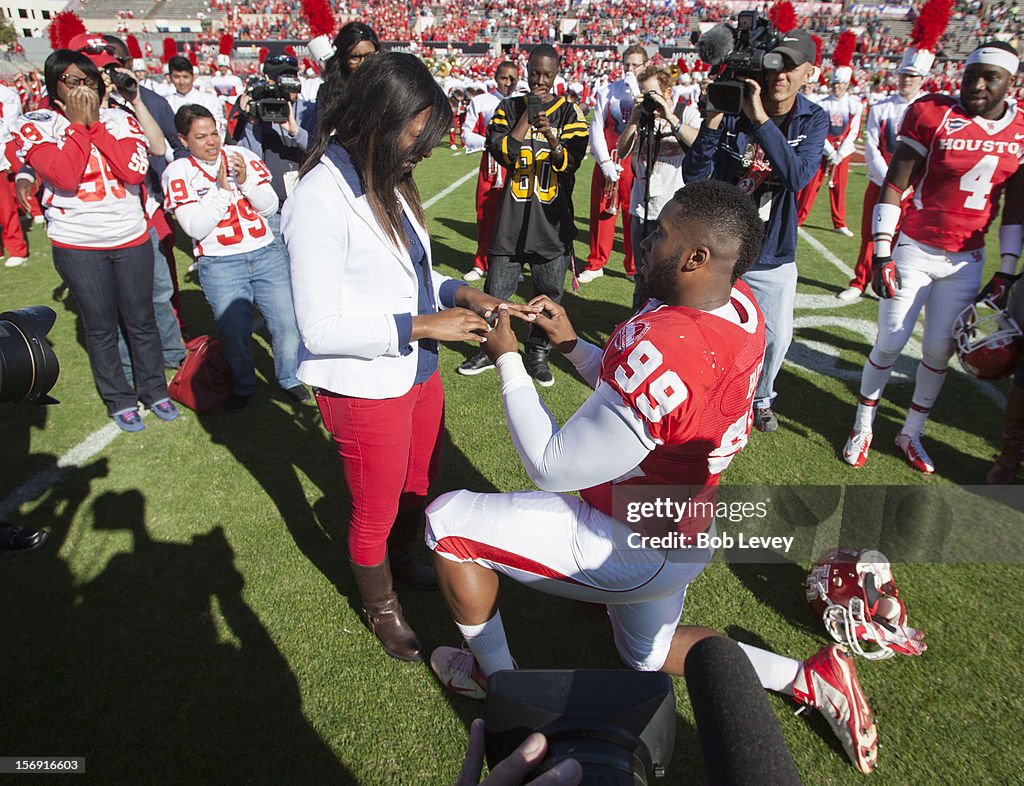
(548, 276)
(775, 292)
(232, 286)
(166, 322)
(109, 285)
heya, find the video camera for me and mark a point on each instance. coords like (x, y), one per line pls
(28, 366)
(269, 98)
(745, 52)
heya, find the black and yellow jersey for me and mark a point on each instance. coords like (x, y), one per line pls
(536, 215)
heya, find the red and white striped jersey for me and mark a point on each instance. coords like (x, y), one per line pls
(967, 162)
(102, 208)
(221, 222)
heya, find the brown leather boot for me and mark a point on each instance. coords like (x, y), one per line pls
(404, 534)
(383, 613)
(1008, 462)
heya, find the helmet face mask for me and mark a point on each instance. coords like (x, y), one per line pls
(988, 341)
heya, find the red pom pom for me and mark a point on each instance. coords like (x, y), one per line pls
(170, 49)
(320, 17)
(818, 44)
(263, 54)
(65, 26)
(133, 46)
(683, 68)
(227, 43)
(290, 50)
(783, 16)
(193, 58)
(843, 54)
(931, 24)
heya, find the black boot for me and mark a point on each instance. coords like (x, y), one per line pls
(537, 365)
(404, 534)
(383, 613)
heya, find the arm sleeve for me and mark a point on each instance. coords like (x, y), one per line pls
(198, 219)
(699, 163)
(258, 187)
(795, 166)
(500, 142)
(598, 143)
(11, 107)
(318, 254)
(473, 141)
(586, 358)
(128, 157)
(872, 153)
(600, 442)
(849, 143)
(62, 167)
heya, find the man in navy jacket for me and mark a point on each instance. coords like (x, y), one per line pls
(771, 150)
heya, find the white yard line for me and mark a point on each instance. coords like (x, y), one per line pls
(438, 197)
(826, 254)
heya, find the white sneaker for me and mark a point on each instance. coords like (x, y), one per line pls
(193, 267)
(39, 219)
(454, 147)
(458, 671)
(15, 261)
(473, 275)
(846, 231)
(828, 682)
(914, 452)
(855, 453)
(589, 275)
(849, 294)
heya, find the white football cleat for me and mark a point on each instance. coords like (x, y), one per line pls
(15, 261)
(845, 231)
(828, 682)
(589, 275)
(458, 671)
(914, 452)
(855, 452)
(473, 275)
(849, 294)
(38, 219)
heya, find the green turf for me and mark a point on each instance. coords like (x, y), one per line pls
(191, 619)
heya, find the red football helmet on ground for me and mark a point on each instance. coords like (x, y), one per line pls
(854, 593)
(988, 341)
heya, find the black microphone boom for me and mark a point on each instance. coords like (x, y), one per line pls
(739, 734)
(716, 44)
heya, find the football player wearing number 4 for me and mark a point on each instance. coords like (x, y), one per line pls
(222, 196)
(960, 155)
(672, 404)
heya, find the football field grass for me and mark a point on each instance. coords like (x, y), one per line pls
(193, 618)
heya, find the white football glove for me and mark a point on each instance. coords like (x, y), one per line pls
(611, 170)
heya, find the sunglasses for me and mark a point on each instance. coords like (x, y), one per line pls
(98, 49)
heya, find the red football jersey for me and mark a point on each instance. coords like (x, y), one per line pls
(690, 376)
(967, 162)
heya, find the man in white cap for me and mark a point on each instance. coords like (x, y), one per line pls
(844, 112)
(960, 155)
(224, 82)
(883, 125)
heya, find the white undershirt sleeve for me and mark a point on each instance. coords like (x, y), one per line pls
(587, 359)
(604, 440)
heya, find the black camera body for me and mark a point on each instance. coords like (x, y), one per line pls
(750, 58)
(268, 101)
(125, 83)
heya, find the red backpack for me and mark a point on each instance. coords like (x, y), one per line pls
(203, 383)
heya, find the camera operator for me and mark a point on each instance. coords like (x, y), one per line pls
(771, 150)
(665, 134)
(281, 143)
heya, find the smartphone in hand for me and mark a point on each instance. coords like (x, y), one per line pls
(532, 107)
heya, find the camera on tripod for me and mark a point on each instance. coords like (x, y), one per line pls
(745, 52)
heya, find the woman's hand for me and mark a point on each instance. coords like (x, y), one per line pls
(238, 167)
(484, 304)
(554, 321)
(222, 175)
(83, 106)
(452, 324)
(501, 339)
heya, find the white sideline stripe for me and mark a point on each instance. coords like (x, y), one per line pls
(35, 486)
(437, 197)
(826, 254)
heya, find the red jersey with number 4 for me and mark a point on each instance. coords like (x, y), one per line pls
(101, 210)
(967, 162)
(690, 377)
(240, 228)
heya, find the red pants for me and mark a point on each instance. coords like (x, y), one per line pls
(836, 194)
(488, 201)
(389, 451)
(862, 273)
(10, 223)
(602, 228)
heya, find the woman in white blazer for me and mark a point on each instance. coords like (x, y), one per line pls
(371, 311)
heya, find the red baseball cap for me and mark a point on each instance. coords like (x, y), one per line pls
(95, 47)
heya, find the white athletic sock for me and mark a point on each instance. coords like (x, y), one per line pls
(873, 380)
(916, 417)
(865, 419)
(926, 390)
(775, 672)
(488, 644)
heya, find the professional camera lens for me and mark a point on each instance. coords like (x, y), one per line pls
(122, 81)
(28, 367)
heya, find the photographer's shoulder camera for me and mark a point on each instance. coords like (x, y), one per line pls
(270, 97)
